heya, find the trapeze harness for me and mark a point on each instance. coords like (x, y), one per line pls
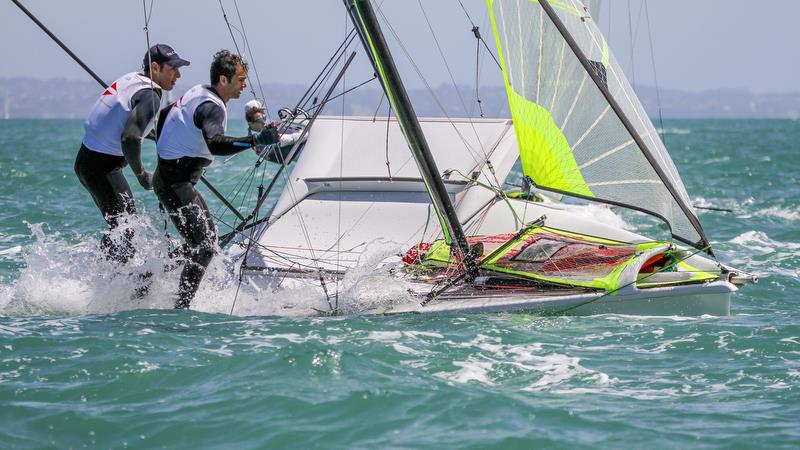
(125, 110)
(193, 132)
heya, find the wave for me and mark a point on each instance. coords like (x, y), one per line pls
(744, 209)
(673, 131)
(760, 242)
(791, 214)
(758, 253)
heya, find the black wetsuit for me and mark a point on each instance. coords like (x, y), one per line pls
(101, 174)
(174, 183)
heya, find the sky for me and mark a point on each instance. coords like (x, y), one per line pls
(697, 44)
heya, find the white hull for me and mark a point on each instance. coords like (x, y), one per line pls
(711, 299)
(695, 300)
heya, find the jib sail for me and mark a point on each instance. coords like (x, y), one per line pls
(581, 129)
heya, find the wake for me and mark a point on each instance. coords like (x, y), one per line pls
(66, 277)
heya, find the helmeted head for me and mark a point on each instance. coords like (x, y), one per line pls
(162, 65)
(228, 74)
(254, 114)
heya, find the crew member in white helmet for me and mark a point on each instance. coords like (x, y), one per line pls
(192, 134)
(255, 115)
(122, 116)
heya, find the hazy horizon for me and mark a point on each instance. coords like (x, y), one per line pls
(697, 46)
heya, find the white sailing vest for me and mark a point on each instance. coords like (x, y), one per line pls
(180, 137)
(104, 126)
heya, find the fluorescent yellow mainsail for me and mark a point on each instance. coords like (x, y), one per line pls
(581, 130)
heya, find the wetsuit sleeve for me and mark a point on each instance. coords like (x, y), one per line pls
(144, 107)
(210, 117)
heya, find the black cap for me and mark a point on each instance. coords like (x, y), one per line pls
(163, 54)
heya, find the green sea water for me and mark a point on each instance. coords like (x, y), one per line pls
(83, 366)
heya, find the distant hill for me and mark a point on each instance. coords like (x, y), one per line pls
(61, 98)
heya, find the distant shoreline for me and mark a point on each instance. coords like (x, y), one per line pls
(32, 98)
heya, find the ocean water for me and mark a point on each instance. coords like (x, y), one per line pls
(84, 366)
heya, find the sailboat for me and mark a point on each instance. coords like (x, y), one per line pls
(435, 189)
(580, 132)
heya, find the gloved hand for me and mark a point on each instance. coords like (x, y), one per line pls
(146, 180)
(267, 136)
(260, 149)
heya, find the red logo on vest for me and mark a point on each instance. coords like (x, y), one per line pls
(111, 90)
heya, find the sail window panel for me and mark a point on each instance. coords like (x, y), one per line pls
(623, 92)
(556, 73)
(593, 44)
(614, 166)
(575, 106)
(590, 132)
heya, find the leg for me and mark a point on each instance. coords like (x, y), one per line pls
(121, 251)
(190, 215)
(101, 175)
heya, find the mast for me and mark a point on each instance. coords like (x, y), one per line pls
(369, 30)
(548, 9)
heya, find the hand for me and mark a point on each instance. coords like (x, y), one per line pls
(145, 179)
(267, 136)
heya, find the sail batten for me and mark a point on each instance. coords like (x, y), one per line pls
(606, 148)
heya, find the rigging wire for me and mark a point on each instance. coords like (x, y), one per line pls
(147, 16)
(452, 78)
(341, 171)
(320, 105)
(310, 91)
(327, 68)
(655, 74)
(249, 178)
(380, 102)
(293, 195)
(467, 145)
(388, 120)
(485, 160)
(630, 39)
(480, 38)
(252, 58)
(236, 45)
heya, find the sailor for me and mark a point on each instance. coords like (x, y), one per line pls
(256, 118)
(255, 115)
(193, 133)
(122, 116)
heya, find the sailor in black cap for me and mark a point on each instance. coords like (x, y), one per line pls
(123, 115)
